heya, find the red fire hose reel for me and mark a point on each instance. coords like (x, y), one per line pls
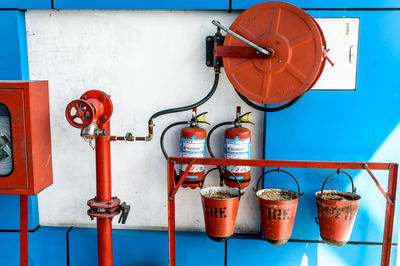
(273, 52)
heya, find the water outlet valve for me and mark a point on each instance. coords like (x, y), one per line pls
(125, 209)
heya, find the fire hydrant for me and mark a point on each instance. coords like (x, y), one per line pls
(91, 113)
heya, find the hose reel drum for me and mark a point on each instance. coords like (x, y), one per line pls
(278, 56)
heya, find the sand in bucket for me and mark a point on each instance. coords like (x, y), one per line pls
(277, 212)
(337, 211)
(220, 206)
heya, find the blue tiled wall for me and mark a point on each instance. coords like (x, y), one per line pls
(14, 66)
(25, 4)
(47, 246)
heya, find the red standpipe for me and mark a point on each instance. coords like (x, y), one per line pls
(103, 194)
(92, 113)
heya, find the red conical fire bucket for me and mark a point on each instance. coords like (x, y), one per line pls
(277, 211)
(220, 206)
(337, 212)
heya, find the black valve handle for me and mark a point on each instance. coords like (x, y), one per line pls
(125, 209)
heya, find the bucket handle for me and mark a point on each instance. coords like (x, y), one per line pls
(283, 171)
(353, 189)
(217, 168)
(237, 181)
(204, 178)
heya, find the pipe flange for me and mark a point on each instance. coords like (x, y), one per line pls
(104, 209)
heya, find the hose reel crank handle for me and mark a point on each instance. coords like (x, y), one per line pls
(255, 46)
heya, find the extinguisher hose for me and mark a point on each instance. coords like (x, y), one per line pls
(165, 131)
(183, 108)
(237, 181)
(221, 182)
(210, 133)
(270, 109)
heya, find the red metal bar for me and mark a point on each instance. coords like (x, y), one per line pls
(389, 216)
(24, 229)
(388, 198)
(103, 194)
(238, 52)
(184, 174)
(171, 213)
(390, 203)
(284, 163)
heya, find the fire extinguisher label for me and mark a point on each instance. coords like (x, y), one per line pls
(193, 148)
(237, 149)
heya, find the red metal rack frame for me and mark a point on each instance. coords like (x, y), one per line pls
(390, 194)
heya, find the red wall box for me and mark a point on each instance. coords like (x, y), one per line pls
(27, 103)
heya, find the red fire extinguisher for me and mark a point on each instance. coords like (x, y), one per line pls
(237, 145)
(193, 145)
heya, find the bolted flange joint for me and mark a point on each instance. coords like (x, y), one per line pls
(108, 209)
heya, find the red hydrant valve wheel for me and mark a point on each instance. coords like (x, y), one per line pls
(79, 113)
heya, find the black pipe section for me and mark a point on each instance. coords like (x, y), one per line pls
(256, 236)
(268, 109)
(180, 109)
(226, 253)
(17, 230)
(67, 243)
(188, 107)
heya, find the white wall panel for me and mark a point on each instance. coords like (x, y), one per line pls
(341, 36)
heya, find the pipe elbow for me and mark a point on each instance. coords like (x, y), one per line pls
(149, 137)
(151, 134)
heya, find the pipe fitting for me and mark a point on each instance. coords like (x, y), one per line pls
(150, 136)
(92, 132)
